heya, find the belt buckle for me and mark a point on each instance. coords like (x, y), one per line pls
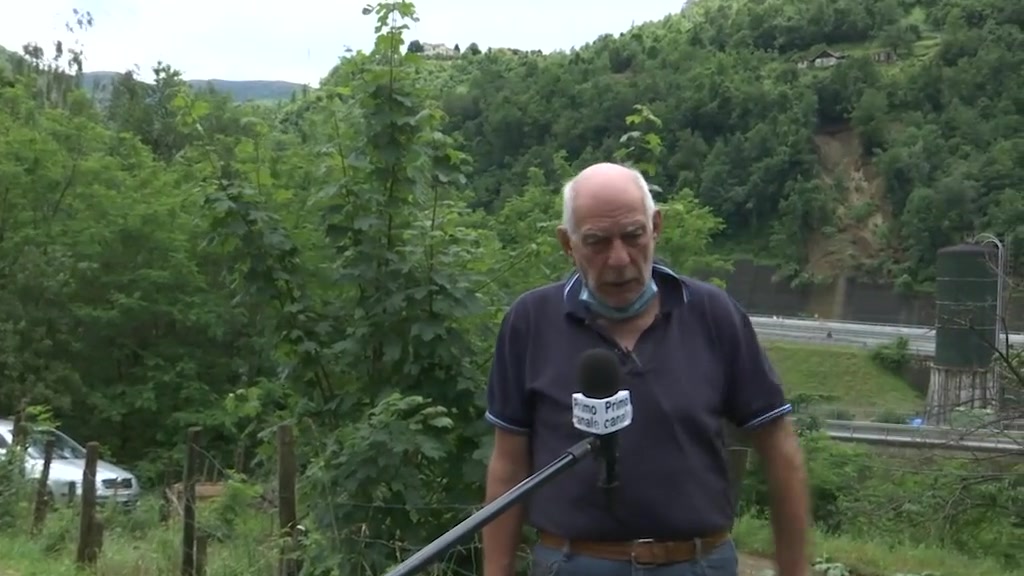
(632, 552)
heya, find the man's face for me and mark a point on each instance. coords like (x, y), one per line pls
(613, 246)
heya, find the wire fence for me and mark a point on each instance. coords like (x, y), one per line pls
(465, 559)
(456, 560)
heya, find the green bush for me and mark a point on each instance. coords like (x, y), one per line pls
(889, 416)
(860, 492)
(14, 488)
(894, 356)
(843, 414)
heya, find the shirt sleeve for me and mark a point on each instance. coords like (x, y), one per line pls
(754, 394)
(507, 403)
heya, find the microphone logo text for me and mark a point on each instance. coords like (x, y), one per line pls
(602, 415)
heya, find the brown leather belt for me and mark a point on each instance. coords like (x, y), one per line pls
(650, 552)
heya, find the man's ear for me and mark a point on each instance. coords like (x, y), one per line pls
(656, 224)
(565, 240)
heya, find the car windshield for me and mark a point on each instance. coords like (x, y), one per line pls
(64, 448)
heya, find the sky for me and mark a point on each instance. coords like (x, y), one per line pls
(299, 40)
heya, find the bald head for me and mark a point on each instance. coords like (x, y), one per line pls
(601, 187)
(609, 228)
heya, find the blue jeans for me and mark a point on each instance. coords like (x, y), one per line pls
(719, 561)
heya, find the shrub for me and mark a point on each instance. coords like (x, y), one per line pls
(894, 356)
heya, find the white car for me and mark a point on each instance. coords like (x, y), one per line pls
(113, 483)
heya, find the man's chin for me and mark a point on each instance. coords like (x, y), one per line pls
(619, 299)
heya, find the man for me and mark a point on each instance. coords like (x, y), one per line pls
(690, 358)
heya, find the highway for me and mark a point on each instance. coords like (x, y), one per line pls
(921, 341)
(921, 338)
(934, 437)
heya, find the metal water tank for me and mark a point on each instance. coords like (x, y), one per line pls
(966, 294)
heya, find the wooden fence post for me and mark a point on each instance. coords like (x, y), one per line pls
(18, 434)
(88, 551)
(42, 490)
(286, 498)
(188, 512)
(201, 545)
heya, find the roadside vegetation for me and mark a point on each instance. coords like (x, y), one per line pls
(847, 379)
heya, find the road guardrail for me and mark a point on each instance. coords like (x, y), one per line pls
(921, 339)
(982, 440)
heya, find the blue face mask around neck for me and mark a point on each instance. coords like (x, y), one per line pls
(624, 312)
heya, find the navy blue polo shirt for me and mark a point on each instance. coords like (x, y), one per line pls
(699, 362)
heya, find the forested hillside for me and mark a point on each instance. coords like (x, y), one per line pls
(910, 142)
(341, 260)
(100, 83)
(238, 90)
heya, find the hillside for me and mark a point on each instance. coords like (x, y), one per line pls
(864, 163)
(238, 90)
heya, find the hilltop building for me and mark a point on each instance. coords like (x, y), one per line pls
(438, 50)
(823, 59)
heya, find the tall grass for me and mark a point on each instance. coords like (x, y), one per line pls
(241, 540)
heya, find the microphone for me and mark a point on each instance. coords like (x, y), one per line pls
(601, 408)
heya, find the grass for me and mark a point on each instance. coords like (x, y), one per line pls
(841, 375)
(871, 558)
(141, 547)
(136, 544)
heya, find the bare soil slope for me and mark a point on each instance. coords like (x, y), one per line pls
(862, 212)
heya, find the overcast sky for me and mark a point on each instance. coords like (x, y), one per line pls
(300, 40)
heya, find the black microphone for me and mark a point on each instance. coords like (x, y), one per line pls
(602, 407)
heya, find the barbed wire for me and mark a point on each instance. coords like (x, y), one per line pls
(939, 472)
(466, 553)
(472, 507)
(404, 550)
(210, 458)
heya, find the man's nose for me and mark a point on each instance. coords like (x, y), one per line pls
(618, 255)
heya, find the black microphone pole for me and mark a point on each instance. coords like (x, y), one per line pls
(427, 555)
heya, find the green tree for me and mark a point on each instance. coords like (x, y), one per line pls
(870, 119)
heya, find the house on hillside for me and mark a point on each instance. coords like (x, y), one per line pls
(438, 50)
(884, 57)
(824, 59)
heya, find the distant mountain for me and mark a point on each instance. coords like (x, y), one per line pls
(239, 90)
